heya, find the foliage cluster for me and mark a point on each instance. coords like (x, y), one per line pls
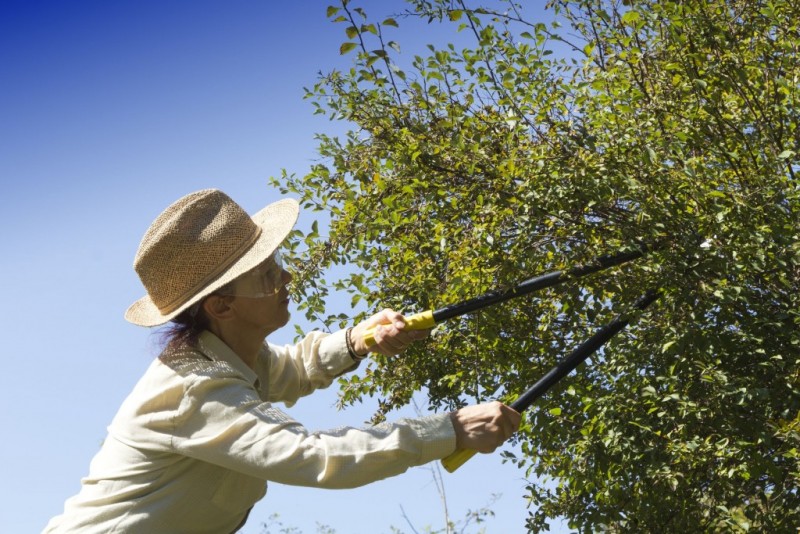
(538, 141)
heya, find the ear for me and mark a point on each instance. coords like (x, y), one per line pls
(218, 307)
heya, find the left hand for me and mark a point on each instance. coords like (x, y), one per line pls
(391, 337)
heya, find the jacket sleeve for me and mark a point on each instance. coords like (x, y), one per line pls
(223, 421)
(293, 371)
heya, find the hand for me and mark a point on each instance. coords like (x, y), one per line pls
(391, 337)
(484, 427)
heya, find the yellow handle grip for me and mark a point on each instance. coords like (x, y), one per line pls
(457, 459)
(418, 321)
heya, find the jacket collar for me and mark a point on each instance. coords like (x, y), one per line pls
(216, 349)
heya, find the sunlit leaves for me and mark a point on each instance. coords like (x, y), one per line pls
(541, 141)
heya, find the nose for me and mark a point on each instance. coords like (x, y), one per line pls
(286, 276)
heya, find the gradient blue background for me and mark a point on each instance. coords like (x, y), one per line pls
(110, 111)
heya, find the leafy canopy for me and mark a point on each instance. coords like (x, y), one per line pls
(537, 141)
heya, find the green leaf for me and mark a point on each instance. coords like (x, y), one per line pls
(346, 47)
(630, 17)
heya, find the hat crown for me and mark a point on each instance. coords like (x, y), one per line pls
(190, 245)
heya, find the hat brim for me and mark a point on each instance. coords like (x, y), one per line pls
(275, 221)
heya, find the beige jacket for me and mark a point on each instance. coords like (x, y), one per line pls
(192, 447)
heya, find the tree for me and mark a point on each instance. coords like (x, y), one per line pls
(546, 141)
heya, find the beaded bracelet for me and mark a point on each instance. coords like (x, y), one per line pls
(349, 342)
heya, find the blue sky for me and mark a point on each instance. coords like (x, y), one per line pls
(110, 112)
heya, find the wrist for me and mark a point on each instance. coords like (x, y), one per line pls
(355, 353)
(458, 428)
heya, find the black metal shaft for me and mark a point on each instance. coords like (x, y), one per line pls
(583, 351)
(535, 284)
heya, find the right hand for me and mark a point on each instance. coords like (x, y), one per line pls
(391, 335)
(484, 427)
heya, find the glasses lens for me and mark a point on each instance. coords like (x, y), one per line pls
(262, 281)
(273, 277)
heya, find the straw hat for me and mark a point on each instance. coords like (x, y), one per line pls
(197, 245)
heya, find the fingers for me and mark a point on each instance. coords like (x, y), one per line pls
(504, 424)
(391, 335)
(484, 427)
(387, 317)
(390, 340)
(511, 420)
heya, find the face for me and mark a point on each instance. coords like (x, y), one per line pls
(261, 298)
(263, 280)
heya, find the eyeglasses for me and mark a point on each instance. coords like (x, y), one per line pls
(262, 281)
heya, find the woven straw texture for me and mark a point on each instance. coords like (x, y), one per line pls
(198, 244)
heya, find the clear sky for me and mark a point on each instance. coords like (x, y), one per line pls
(110, 111)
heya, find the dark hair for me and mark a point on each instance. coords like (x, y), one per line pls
(185, 328)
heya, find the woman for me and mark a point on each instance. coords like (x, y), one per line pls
(194, 444)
